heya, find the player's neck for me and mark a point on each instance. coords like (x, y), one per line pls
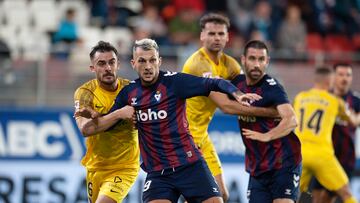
(251, 82)
(340, 92)
(111, 88)
(320, 86)
(214, 55)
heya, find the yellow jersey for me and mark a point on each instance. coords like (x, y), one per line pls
(112, 149)
(200, 110)
(316, 111)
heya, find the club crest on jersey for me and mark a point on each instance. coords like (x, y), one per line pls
(133, 101)
(157, 96)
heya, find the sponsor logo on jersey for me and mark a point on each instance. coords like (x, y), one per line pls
(248, 119)
(149, 115)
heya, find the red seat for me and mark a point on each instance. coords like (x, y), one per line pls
(338, 43)
(315, 43)
(356, 41)
(339, 48)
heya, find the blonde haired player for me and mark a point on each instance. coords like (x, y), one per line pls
(210, 61)
(316, 111)
(112, 157)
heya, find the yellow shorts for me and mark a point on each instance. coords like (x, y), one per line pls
(115, 184)
(208, 150)
(325, 167)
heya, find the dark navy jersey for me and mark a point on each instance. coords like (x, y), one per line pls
(344, 134)
(165, 141)
(261, 157)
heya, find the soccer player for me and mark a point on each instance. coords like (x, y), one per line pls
(343, 134)
(317, 110)
(112, 157)
(173, 163)
(272, 155)
(210, 61)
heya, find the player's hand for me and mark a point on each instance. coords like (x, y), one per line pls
(126, 112)
(246, 99)
(87, 112)
(253, 135)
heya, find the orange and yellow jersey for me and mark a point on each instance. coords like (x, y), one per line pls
(316, 111)
(200, 110)
(112, 149)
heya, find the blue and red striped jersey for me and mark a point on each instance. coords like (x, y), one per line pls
(165, 140)
(343, 134)
(261, 157)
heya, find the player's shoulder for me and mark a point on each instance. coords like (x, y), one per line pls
(194, 58)
(123, 82)
(197, 64)
(229, 60)
(356, 95)
(88, 86)
(238, 78)
(271, 82)
(128, 85)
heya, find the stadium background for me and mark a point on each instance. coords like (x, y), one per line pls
(40, 146)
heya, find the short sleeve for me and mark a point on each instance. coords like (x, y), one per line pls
(278, 94)
(83, 98)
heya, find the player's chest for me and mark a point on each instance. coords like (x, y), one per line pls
(154, 106)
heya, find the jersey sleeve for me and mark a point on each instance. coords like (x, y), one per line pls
(343, 112)
(187, 86)
(356, 102)
(278, 94)
(120, 100)
(83, 98)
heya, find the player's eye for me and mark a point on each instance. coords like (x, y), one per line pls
(112, 62)
(101, 63)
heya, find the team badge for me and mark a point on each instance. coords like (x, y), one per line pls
(157, 95)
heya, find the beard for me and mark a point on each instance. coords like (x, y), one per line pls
(254, 74)
(108, 81)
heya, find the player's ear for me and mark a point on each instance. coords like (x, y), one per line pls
(132, 62)
(92, 68)
(160, 61)
(242, 60)
(202, 36)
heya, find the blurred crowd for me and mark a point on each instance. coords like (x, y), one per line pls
(289, 26)
(283, 24)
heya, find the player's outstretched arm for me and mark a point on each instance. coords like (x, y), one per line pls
(233, 107)
(90, 125)
(348, 114)
(287, 124)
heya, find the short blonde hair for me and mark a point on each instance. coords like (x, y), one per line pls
(145, 44)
